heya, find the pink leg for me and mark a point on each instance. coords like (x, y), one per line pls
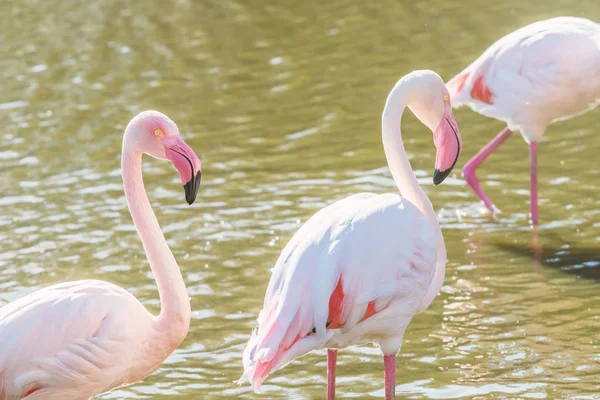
(471, 165)
(533, 147)
(331, 360)
(389, 363)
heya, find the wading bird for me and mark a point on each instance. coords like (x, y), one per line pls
(360, 269)
(544, 72)
(73, 340)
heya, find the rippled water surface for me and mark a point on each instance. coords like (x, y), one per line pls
(282, 101)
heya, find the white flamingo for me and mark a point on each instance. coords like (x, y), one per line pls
(77, 339)
(361, 268)
(544, 72)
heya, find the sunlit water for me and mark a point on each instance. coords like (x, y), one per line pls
(282, 101)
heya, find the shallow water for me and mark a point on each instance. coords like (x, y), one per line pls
(282, 101)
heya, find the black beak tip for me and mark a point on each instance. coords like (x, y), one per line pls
(439, 176)
(191, 188)
(190, 199)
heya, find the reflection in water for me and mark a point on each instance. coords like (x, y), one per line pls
(570, 258)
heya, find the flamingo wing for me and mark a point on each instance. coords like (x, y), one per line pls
(71, 340)
(543, 72)
(348, 262)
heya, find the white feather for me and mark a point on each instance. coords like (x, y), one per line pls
(81, 335)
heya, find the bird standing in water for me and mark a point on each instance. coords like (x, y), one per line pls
(360, 269)
(544, 72)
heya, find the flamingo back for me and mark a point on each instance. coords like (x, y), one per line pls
(69, 341)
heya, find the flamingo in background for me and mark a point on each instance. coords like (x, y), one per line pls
(361, 268)
(77, 339)
(544, 72)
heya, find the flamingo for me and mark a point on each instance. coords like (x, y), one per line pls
(544, 72)
(74, 340)
(359, 269)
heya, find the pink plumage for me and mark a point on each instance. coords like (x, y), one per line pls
(542, 73)
(360, 269)
(74, 340)
(326, 279)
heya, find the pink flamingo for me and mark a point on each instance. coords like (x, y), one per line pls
(77, 339)
(544, 72)
(361, 268)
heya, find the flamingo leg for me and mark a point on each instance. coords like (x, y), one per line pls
(331, 361)
(389, 362)
(471, 165)
(533, 147)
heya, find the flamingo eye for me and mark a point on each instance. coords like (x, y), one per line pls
(446, 97)
(157, 132)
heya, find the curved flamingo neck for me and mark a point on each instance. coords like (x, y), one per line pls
(406, 181)
(174, 318)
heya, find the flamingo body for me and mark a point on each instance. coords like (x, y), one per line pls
(57, 339)
(360, 269)
(544, 72)
(344, 278)
(74, 340)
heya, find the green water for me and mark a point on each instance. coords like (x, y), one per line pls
(282, 102)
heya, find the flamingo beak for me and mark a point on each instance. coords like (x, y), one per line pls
(187, 163)
(448, 142)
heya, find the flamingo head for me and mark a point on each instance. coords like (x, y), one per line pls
(431, 105)
(154, 133)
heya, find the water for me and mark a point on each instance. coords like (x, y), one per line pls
(282, 101)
